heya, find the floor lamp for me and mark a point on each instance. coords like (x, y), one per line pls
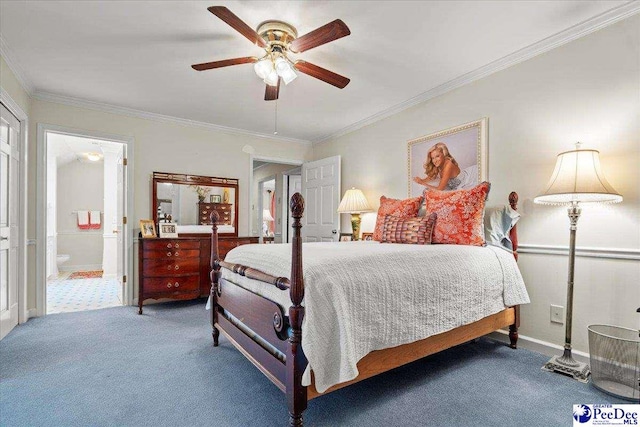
(577, 178)
(355, 203)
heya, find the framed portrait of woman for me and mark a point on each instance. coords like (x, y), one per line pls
(450, 159)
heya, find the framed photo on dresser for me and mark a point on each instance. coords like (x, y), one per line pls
(168, 229)
(147, 228)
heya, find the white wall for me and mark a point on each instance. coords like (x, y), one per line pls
(80, 187)
(587, 90)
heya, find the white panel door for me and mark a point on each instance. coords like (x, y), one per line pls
(321, 192)
(9, 167)
(121, 193)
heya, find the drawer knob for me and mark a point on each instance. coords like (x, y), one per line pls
(168, 253)
(177, 245)
(169, 285)
(175, 254)
(169, 245)
(177, 284)
(168, 267)
(177, 267)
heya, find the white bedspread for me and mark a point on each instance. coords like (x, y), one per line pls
(365, 296)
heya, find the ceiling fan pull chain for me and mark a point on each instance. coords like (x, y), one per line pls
(275, 130)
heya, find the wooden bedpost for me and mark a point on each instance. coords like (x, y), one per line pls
(214, 275)
(513, 236)
(296, 360)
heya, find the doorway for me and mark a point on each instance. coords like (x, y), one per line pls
(83, 202)
(269, 202)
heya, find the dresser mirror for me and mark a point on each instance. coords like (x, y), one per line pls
(189, 200)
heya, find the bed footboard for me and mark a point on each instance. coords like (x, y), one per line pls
(257, 326)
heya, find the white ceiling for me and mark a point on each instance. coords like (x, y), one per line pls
(69, 148)
(138, 54)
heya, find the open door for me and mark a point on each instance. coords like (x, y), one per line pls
(9, 220)
(321, 192)
(121, 194)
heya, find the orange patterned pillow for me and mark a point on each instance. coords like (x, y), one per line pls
(409, 230)
(460, 214)
(406, 208)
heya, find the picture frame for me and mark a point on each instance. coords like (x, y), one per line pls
(168, 229)
(345, 237)
(215, 198)
(368, 237)
(147, 228)
(465, 144)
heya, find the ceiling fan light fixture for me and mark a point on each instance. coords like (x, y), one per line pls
(263, 68)
(288, 75)
(272, 78)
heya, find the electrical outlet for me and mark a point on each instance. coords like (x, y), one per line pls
(557, 314)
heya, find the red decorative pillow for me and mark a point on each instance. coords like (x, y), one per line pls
(406, 208)
(460, 214)
(409, 230)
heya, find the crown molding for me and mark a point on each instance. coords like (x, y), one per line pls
(130, 112)
(563, 37)
(6, 53)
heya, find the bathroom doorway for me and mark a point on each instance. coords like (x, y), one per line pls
(83, 263)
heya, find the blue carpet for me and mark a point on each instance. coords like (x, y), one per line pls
(111, 367)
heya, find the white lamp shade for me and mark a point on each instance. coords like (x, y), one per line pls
(354, 201)
(272, 78)
(266, 215)
(263, 68)
(578, 177)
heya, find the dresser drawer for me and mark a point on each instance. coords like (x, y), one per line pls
(172, 284)
(171, 244)
(168, 254)
(166, 267)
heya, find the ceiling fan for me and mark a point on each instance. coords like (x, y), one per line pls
(278, 39)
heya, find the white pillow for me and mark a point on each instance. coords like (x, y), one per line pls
(498, 222)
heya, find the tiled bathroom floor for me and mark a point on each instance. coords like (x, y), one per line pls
(65, 295)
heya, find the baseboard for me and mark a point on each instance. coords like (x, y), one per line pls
(32, 312)
(87, 267)
(539, 346)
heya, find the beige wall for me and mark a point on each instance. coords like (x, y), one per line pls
(10, 83)
(80, 186)
(588, 91)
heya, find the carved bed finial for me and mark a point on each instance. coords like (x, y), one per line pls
(297, 205)
(215, 217)
(513, 200)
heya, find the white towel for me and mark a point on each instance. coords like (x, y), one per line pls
(94, 218)
(83, 218)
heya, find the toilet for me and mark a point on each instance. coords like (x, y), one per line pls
(62, 258)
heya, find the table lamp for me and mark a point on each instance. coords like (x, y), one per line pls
(355, 203)
(266, 218)
(577, 178)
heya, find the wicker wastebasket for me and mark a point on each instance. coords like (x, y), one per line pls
(615, 360)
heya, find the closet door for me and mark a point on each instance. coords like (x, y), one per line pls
(9, 167)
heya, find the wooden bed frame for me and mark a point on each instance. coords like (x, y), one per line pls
(272, 339)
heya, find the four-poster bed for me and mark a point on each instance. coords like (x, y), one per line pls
(270, 334)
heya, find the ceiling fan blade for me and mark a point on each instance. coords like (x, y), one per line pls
(237, 24)
(325, 34)
(224, 63)
(322, 74)
(271, 92)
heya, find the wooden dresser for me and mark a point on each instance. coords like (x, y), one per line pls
(178, 268)
(223, 209)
